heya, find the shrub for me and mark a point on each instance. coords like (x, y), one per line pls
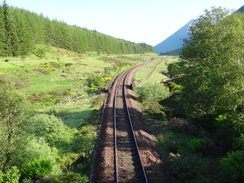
(169, 112)
(96, 81)
(175, 69)
(36, 169)
(12, 175)
(190, 168)
(155, 109)
(51, 128)
(239, 142)
(196, 144)
(172, 147)
(233, 166)
(40, 52)
(1, 176)
(181, 125)
(176, 88)
(152, 92)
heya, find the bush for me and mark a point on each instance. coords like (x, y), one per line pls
(196, 144)
(155, 109)
(233, 166)
(12, 175)
(239, 142)
(181, 125)
(190, 168)
(152, 92)
(175, 69)
(51, 128)
(36, 169)
(176, 88)
(172, 147)
(169, 112)
(40, 52)
(96, 81)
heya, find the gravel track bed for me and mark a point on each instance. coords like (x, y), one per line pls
(102, 169)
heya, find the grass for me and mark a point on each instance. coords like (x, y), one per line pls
(152, 72)
(64, 72)
(75, 114)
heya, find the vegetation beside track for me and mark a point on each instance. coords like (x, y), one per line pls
(199, 127)
(58, 104)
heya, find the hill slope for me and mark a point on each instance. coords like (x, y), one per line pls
(174, 41)
(21, 30)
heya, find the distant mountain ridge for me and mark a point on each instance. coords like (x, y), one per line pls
(175, 41)
(241, 9)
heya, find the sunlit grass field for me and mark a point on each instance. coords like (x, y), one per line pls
(62, 74)
(152, 73)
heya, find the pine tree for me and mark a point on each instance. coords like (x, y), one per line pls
(2, 32)
(10, 37)
(24, 41)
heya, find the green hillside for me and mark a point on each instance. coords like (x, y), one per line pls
(21, 30)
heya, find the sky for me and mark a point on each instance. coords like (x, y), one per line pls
(140, 21)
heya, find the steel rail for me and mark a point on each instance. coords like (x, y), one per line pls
(115, 127)
(132, 129)
(123, 76)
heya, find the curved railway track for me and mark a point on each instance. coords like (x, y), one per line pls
(128, 164)
(125, 151)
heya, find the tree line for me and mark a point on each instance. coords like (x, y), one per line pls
(20, 30)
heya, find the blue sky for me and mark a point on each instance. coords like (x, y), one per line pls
(149, 21)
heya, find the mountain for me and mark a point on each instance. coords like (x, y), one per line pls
(173, 44)
(241, 9)
(175, 41)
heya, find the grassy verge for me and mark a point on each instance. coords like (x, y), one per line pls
(152, 73)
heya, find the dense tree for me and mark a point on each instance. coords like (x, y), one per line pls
(214, 77)
(21, 29)
(10, 37)
(2, 32)
(23, 34)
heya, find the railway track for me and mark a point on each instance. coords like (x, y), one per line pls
(125, 151)
(128, 164)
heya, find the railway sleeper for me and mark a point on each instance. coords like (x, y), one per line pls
(124, 144)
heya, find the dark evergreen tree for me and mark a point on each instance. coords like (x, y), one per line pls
(24, 41)
(2, 32)
(10, 37)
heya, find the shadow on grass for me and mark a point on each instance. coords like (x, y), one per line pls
(76, 152)
(75, 119)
